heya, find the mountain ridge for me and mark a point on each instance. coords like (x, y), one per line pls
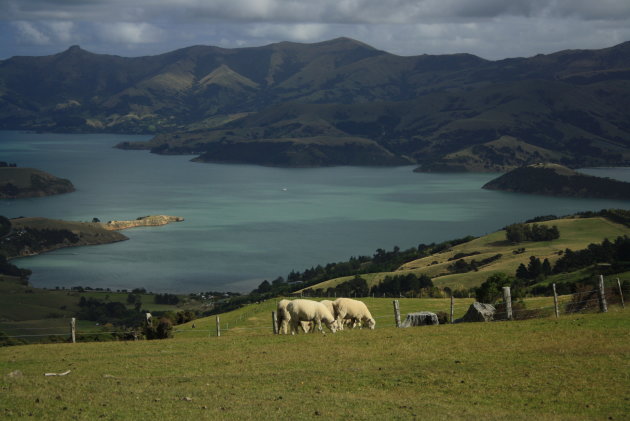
(430, 109)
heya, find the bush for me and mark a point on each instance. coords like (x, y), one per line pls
(159, 329)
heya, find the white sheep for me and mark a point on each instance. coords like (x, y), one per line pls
(310, 311)
(347, 308)
(283, 318)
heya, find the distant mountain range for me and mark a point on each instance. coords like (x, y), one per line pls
(338, 102)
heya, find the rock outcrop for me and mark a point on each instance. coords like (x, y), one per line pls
(143, 221)
(421, 318)
(478, 312)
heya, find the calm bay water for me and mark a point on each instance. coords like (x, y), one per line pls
(248, 223)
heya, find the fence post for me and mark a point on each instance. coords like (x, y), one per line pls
(555, 300)
(73, 329)
(602, 295)
(274, 321)
(397, 313)
(452, 305)
(620, 293)
(218, 326)
(507, 299)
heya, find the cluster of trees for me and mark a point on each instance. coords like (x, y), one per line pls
(462, 266)
(381, 261)
(408, 284)
(403, 284)
(112, 312)
(4, 164)
(535, 271)
(166, 299)
(36, 240)
(616, 253)
(5, 226)
(517, 233)
(10, 269)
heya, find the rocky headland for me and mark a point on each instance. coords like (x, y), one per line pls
(143, 221)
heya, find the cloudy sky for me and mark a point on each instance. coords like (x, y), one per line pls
(492, 29)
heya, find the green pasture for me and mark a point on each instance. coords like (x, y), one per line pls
(576, 367)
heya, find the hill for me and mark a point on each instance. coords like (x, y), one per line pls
(557, 180)
(338, 102)
(570, 368)
(17, 183)
(500, 255)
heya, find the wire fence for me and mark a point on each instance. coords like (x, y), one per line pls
(582, 301)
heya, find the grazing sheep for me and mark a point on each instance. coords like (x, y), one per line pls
(284, 317)
(347, 308)
(310, 311)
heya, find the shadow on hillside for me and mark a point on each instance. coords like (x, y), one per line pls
(502, 243)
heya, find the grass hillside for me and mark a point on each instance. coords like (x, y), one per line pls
(28, 182)
(575, 234)
(574, 368)
(557, 180)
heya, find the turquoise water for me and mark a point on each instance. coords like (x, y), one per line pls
(247, 223)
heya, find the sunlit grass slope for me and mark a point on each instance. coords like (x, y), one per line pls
(574, 368)
(575, 234)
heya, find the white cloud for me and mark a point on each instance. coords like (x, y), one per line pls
(29, 34)
(129, 32)
(62, 30)
(290, 32)
(489, 28)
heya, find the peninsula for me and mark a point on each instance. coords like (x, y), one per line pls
(18, 183)
(557, 180)
(31, 236)
(142, 221)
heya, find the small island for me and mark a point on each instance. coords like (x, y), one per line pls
(557, 180)
(18, 183)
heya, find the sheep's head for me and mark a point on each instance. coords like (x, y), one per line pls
(371, 323)
(332, 326)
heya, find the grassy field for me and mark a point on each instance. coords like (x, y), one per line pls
(25, 310)
(575, 234)
(573, 368)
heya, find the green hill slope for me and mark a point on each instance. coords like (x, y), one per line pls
(575, 234)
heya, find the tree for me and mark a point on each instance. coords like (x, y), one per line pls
(492, 289)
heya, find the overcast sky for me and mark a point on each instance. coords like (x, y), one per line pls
(492, 29)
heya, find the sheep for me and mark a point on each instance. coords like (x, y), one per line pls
(284, 317)
(310, 311)
(347, 308)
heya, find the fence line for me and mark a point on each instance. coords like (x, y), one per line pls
(578, 302)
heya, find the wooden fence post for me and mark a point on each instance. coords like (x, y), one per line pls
(397, 313)
(452, 305)
(73, 330)
(507, 299)
(620, 293)
(555, 300)
(603, 307)
(218, 326)
(274, 321)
